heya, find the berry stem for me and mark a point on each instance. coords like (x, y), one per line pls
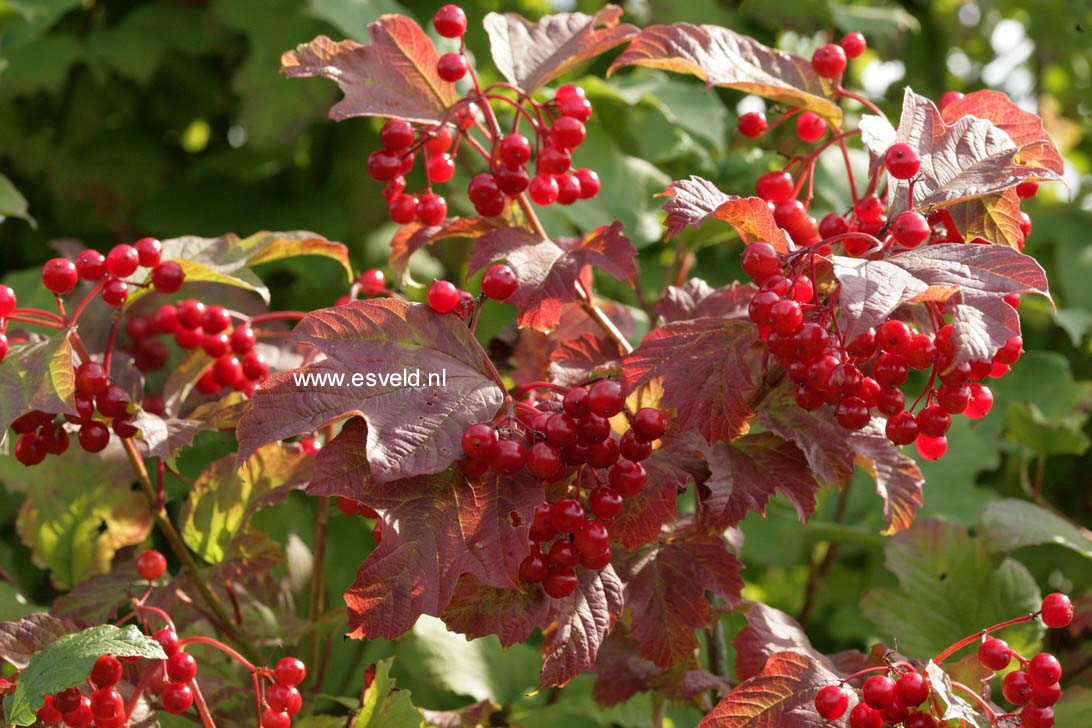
(33, 321)
(849, 168)
(211, 642)
(78, 311)
(202, 707)
(111, 337)
(275, 316)
(842, 92)
(978, 700)
(866, 671)
(956, 647)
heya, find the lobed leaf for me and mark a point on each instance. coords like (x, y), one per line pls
(531, 55)
(411, 430)
(549, 271)
(995, 218)
(768, 632)
(411, 238)
(645, 512)
(578, 624)
(477, 610)
(1024, 128)
(723, 57)
(696, 299)
(20, 641)
(575, 361)
(695, 200)
(67, 662)
(393, 77)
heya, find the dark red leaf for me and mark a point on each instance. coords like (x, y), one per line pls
(645, 512)
(781, 696)
(548, 270)
(692, 201)
(574, 361)
(50, 392)
(435, 529)
(872, 289)
(412, 430)
(530, 55)
(477, 610)
(666, 587)
(768, 632)
(395, 76)
(341, 466)
(745, 474)
(411, 238)
(898, 478)
(531, 350)
(722, 57)
(696, 299)
(578, 625)
(707, 367)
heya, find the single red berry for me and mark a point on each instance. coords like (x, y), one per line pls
(1045, 696)
(911, 689)
(1044, 669)
(450, 21)
(1017, 687)
(215, 319)
(452, 66)
(831, 702)
(868, 208)
(994, 654)
(775, 186)
(48, 713)
(760, 261)
(68, 700)
(513, 181)
(431, 209)
(902, 161)
(829, 61)
(403, 209)
(91, 378)
(543, 460)
(515, 150)
(832, 224)
(852, 413)
(191, 313)
(499, 282)
(107, 706)
(29, 450)
(1033, 716)
(1027, 190)
(752, 124)
(592, 538)
(1010, 353)
(575, 107)
(90, 266)
(508, 456)
(243, 340)
(910, 229)
(394, 188)
(290, 671)
(439, 168)
(1057, 610)
(948, 97)
(396, 135)
(893, 336)
(786, 317)
(440, 140)
(627, 477)
(568, 92)
(554, 160)
(575, 402)
(81, 716)
(649, 424)
(954, 399)
(482, 188)
(167, 639)
(563, 555)
(53, 438)
(560, 583)
(149, 252)
(543, 189)
(902, 428)
(604, 453)
(589, 182)
(810, 126)
(981, 401)
(93, 437)
(933, 421)
(443, 296)
(106, 672)
(115, 292)
(122, 261)
(181, 667)
(895, 713)
(931, 448)
(853, 44)
(177, 698)
(275, 719)
(168, 276)
(862, 716)
(113, 401)
(151, 565)
(605, 502)
(568, 189)
(568, 133)
(561, 431)
(534, 567)
(59, 276)
(384, 165)
(606, 398)
(373, 282)
(227, 371)
(878, 691)
(566, 515)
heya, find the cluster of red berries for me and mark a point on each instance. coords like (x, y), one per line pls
(558, 127)
(193, 325)
(498, 283)
(864, 375)
(567, 432)
(887, 701)
(109, 271)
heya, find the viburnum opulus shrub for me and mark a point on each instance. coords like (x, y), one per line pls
(587, 486)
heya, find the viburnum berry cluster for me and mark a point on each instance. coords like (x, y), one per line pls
(901, 693)
(557, 129)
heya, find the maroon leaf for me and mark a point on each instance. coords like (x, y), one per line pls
(871, 290)
(548, 270)
(578, 625)
(531, 350)
(574, 361)
(530, 55)
(645, 512)
(477, 610)
(435, 529)
(745, 473)
(1025, 128)
(395, 76)
(693, 201)
(411, 238)
(621, 673)
(666, 587)
(722, 57)
(707, 369)
(19, 641)
(341, 466)
(768, 632)
(781, 696)
(696, 299)
(970, 158)
(412, 429)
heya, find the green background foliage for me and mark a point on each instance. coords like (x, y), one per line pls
(123, 118)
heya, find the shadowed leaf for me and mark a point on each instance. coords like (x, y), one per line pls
(411, 238)
(1011, 524)
(575, 361)
(578, 624)
(22, 386)
(693, 201)
(696, 299)
(768, 632)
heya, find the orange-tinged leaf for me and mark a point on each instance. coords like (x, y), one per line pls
(722, 57)
(530, 55)
(695, 200)
(411, 238)
(395, 76)
(995, 218)
(1025, 128)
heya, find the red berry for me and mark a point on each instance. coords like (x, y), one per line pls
(566, 515)
(115, 292)
(1032, 716)
(775, 186)
(1045, 695)
(167, 639)
(760, 261)
(893, 336)
(290, 671)
(592, 538)
(910, 229)
(832, 224)
(275, 719)
(167, 277)
(452, 66)
(994, 654)
(396, 135)
(902, 428)
(752, 124)
(853, 44)
(68, 700)
(29, 450)
(606, 398)
(920, 720)
(902, 161)
(981, 401)
(113, 401)
(181, 667)
(122, 261)
(948, 97)
(627, 477)
(852, 413)
(575, 402)
(515, 150)
(59, 275)
(508, 456)
(48, 713)
(93, 437)
(499, 282)
(561, 431)
(243, 340)
(81, 716)
(439, 167)
(868, 209)
(543, 460)
(911, 689)
(563, 555)
(829, 61)
(568, 189)
(931, 448)
(810, 126)
(513, 181)
(543, 189)
(603, 454)
(560, 583)
(1010, 353)
(1027, 190)
(589, 182)
(53, 438)
(403, 209)
(90, 266)
(786, 317)
(440, 140)
(878, 691)
(863, 716)
(443, 296)
(450, 21)
(91, 378)
(649, 424)
(1044, 669)
(933, 421)
(534, 567)
(151, 565)
(373, 282)
(554, 160)
(831, 702)
(384, 165)
(215, 319)
(568, 133)
(106, 672)
(1057, 611)
(1017, 687)
(605, 502)
(177, 698)
(431, 209)
(576, 107)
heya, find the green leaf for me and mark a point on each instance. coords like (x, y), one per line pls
(949, 587)
(79, 511)
(68, 662)
(12, 202)
(228, 259)
(216, 516)
(1026, 425)
(1011, 524)
(384, 706)
(479, 668)
(352, 17)
(22, 384)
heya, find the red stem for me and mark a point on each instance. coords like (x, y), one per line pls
(201, 639)
(83, 304)
(859, 99)
(25, 319)
(956, 647)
